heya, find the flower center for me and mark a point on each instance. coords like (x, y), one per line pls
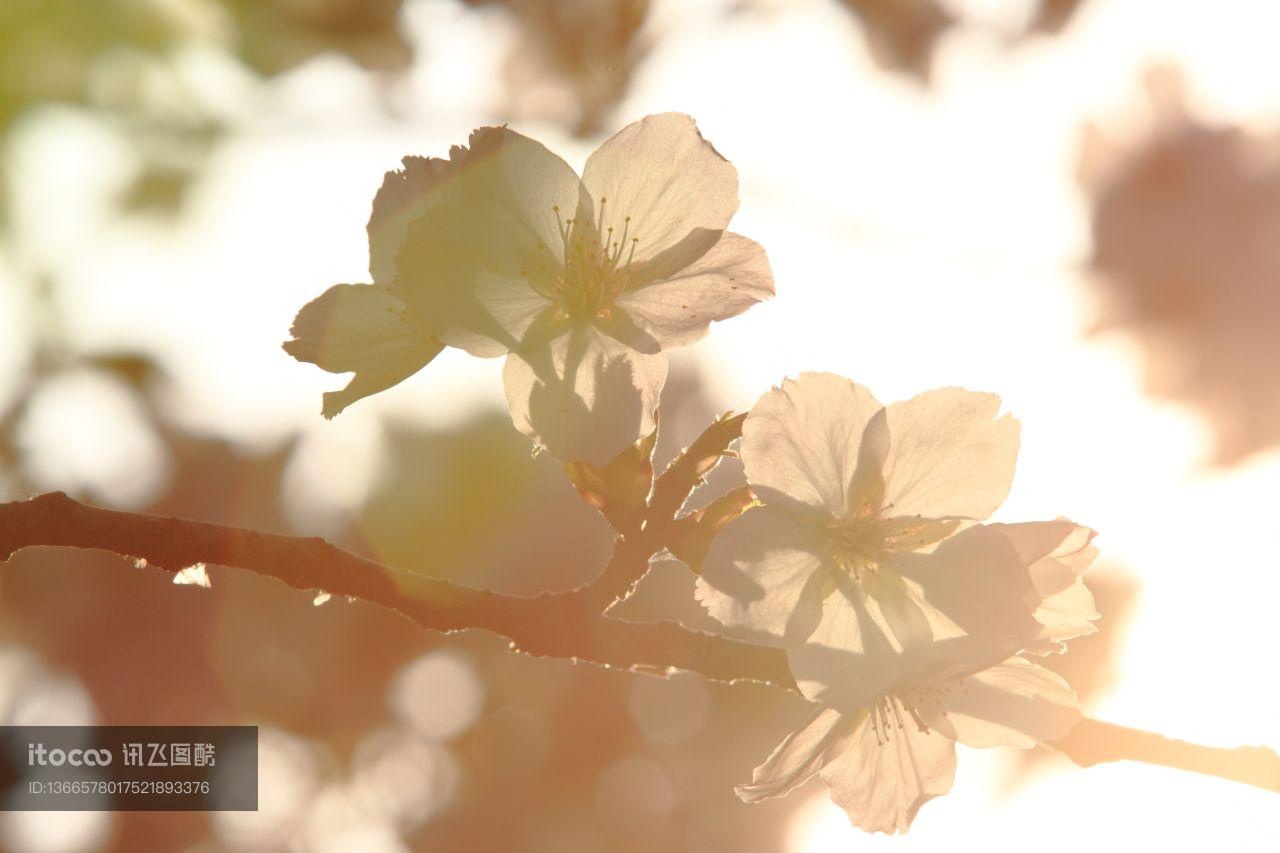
(861, 543)
(596, 266)
(897, 711)
(858, 545)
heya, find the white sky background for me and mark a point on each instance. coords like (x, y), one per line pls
(918, 238)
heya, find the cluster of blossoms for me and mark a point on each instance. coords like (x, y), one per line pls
(905, 619)
(581, 282)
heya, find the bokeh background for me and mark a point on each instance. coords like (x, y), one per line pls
(1073, 203)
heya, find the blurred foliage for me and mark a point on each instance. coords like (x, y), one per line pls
(121, 60)
(277, 35)
(1186, 228)
(902, 35)
(590, 47)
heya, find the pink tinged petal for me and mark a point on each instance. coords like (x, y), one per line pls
(584, 396)
(800, 443)
(476, 267)
(974, 589)
(731, 277)
(757, 571)
(797, 758)
(949, 455)
(883, 777)
(361, 329)
(1015, 703)
(662, 174)
(1058, 554)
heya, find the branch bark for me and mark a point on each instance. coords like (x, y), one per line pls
(564, 625)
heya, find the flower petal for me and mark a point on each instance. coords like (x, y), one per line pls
(359, 328)
(584, 396)
(798, 757)
(850, 656)
(662, 174)
(882, 778)
(801, 441)
(405, 195)
(1058, 553)
(1014, 703)
(731, 277)
(949, 455)
(974, 584)
(959, 608)
(479, 264)
(757, 569)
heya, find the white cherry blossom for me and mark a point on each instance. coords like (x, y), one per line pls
(886, 758)
(583, 281)
(866, 554)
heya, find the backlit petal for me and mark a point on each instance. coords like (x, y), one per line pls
(801, 441)
(584, 396)
(662, 174)
(361, 329)
(1058, 552)
(405, 195)
(797, 758)
(474, 267)
(756, 571)
(731, 277)
(881, 779)
(949, 454)
(1015, 703)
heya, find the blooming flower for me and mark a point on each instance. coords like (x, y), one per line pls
(866, 555)
(364, 328)
(584, 281)
(502, 248)
(884, 759)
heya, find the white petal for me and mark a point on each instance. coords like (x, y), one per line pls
(405, 195)
(584, 396)
(960, 608)
(1058, 552)
(979, 586)
(731, 277)
(1015, 703)
(359, 328)
(949, 455)
(757, 569)
(801, 441)
(795, 759)
(850, 656)
(476, 267)
(882, 781)
(661, 172)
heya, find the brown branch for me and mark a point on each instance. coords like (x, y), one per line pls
(633, 551)
(565, 625)
(1095, 742)
(559, 625)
